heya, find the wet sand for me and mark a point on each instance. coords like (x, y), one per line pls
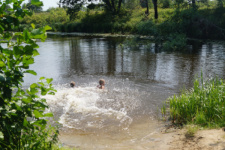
(172, 139)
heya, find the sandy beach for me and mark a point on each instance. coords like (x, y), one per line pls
(176, 139)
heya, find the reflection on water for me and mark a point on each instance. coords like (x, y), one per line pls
(138, 79)
(63, 57)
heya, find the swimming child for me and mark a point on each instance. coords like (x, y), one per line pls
(72, 84)
(101, 84)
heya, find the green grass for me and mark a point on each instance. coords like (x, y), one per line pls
(203, 105)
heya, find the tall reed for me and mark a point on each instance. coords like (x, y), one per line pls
(202, 105)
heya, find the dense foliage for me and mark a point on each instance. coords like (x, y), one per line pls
(53, 17)
(177, 20)
(204, 23)
(203, 105)
(73, 6)
(23, 117)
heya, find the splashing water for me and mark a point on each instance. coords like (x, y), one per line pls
(91, 109)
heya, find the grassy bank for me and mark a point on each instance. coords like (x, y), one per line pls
(203, 105)
(204, 23)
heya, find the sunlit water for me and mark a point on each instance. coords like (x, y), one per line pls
(138, 79)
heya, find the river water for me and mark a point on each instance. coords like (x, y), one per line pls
(139, 77)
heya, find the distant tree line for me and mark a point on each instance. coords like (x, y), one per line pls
(115, 6)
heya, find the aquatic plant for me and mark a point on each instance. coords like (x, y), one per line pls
(202, 105)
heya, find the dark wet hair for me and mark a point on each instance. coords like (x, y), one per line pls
(72, 84)
(102, 82)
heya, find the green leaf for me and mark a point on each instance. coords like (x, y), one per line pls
(35, 52)
(17, 107)
(7, 52)
(51, 93)
(40, 123)
(43, 91)
(33, 26)
(29, 50)
(2, 64)
(31, 72)
(41, 78)
(47, 28)
(34, 85)
(49, 80)
(37, 32)
(41, 83)
(36, 3)
(37, 114)
(26, 100)
(2, 79)
(1, 135)
(48, 115)
(25, 122)
(26, 35)
(10, 1)
(17, 51)
(18, 33)
(27, 61)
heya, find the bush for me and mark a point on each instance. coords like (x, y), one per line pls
(147, 28)
(175, 42)
(52, 16)
(23, 119)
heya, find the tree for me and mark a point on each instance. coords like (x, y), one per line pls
(31, 7)
(73, 6)
(155, 8)
(113, 5)
(147, 11)
(220, 3)
(23, 123)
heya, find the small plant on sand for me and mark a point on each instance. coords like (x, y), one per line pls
(191, 131)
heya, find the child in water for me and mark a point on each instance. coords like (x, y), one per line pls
(72, 84)
(101, 84)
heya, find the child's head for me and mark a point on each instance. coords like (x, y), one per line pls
(72, 84)
(102, 82)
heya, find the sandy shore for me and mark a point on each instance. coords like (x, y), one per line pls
(163, 138)
(175, 139)
(213, 139)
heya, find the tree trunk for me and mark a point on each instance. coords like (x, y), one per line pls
(193, 3)
(108, 4)
(147, 11)
(155, 9)
(119, 5)
(113, 6)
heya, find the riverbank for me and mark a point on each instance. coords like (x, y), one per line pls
(210, 139)
(203, 23)
(174, 139)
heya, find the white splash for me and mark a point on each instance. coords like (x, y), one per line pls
(87, 108)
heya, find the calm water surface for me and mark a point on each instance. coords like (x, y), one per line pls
(138, 79)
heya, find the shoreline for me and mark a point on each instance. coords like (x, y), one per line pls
(203, 139)
(176, 139)
(114, 35)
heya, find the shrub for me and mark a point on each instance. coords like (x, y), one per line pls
(147, 28)
(175, 42)
(23, 120)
